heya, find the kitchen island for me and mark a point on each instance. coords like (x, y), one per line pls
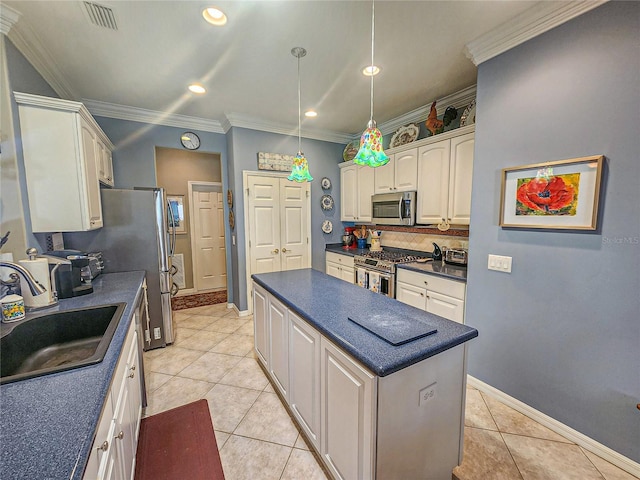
(371, 409)
(48, 423)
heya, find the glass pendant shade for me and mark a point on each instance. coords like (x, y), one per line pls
(371, 152)
(300, 170)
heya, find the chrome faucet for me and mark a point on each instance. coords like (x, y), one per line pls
(34, 285)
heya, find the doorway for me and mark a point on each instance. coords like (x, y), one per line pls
(278, 224)
(207, 236)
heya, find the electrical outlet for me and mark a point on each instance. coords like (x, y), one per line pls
(147, 336)
(427, 394)
(499, 263)
(156, 333)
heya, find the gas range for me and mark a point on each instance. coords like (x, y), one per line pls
(384, 261)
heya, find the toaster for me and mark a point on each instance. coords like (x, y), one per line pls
(456, 256)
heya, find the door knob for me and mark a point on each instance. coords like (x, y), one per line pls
(275, 251)
(284, 250)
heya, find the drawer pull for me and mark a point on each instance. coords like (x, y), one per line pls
(133, 367)
(421, 294)
(275, 251)
(120, 435)
(132, 375)
(104, 447)
(284, 250)
(426, 283)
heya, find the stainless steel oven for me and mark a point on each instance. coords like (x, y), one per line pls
(376, 271)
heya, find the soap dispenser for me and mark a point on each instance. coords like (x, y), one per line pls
(437, 253)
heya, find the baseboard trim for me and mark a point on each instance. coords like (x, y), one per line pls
(240, 313)
(578, 438)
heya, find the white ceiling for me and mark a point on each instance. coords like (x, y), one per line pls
(162, 46)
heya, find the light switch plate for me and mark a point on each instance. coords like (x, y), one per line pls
(499, 263)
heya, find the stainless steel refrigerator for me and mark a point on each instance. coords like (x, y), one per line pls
(137, 235)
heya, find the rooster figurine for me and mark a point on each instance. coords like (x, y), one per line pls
(433, 124)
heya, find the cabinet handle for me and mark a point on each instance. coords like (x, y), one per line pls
(104, 447)
(275, 251)
(131, 375)
(120, 435)
(284, 250)
(426, 283)
(422, 294)
(133, 367)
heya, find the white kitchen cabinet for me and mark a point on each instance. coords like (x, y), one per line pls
(114, 449)
(366, 427)
(261, 323)
(105, 164)
(431, 293)
(278, 364)
(399, 175)
(445, 171)
(356, 188)
(304, 376)
(340, 266)
(62, 159)
(348, 395)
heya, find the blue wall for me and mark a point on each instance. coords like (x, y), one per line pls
(561, 333)
(323, 158)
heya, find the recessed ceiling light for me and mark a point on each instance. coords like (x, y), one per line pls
(370, 70)
(310, 113)
(214, 16)
(197, 88)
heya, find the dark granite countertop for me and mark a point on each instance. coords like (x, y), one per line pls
(439, 268)
(47, 424)
(434, 268)
(327, 302)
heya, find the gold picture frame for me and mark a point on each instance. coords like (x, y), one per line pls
(562, 194)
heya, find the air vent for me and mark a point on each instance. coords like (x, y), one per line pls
(101, 16)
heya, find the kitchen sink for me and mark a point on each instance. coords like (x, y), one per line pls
(58, 341)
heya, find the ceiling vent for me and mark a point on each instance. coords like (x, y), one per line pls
(101, 16)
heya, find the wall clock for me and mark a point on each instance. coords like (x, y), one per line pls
(190, 141)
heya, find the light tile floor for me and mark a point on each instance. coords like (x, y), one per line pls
(213, 358)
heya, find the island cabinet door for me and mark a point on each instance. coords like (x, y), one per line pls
(411, 295)
(304, 376)
(260, 323)
(347, 403)
(279, 345)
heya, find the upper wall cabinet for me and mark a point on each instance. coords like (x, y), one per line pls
(399, 175)
(356, 188)
(64, 151)
(444, 181)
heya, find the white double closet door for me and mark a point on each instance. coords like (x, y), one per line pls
(279, 213)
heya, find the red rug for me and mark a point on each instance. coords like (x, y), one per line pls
(179, 444)
(198, 300)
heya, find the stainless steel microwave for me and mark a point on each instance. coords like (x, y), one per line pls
(397, 208)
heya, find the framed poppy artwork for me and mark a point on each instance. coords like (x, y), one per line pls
(554, 195)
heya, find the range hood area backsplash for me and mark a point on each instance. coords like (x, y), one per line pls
(419, 241)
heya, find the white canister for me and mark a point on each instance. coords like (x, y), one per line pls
(12, 308)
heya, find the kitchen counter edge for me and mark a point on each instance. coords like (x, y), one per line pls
(322, 305)
(48, 423)
(439, 268)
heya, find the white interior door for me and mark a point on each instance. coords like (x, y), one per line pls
(277, 219)
(264, 224)
(293, 224)
(210, 270)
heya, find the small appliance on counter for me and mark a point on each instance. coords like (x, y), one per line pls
(348, 238)
(70, 273)
(457, 256)
(437, 252)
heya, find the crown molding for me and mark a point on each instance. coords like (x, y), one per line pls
(135, 114)
(245, 121)
(29, 44)
(533, 22)
(458, 100)
(8, 18)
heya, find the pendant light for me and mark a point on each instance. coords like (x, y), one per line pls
(371, 152)
(300, 171)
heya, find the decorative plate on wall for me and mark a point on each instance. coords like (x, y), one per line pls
(327, 202)
(230, 198)
(327, 226)
(232, 220)
(326, 183)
